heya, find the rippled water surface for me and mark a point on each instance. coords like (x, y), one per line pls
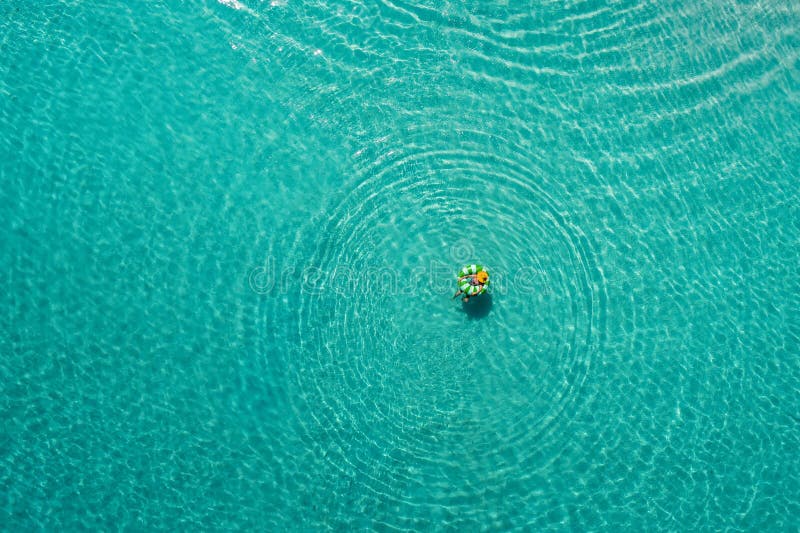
(232, 229)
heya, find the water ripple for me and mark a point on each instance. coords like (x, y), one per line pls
(404, 385)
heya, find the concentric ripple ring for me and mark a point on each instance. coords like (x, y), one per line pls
(388, 386)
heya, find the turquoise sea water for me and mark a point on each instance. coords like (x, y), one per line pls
(231, 230)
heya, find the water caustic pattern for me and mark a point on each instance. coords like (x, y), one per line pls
(233, 228)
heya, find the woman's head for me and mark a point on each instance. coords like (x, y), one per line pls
(482, 277)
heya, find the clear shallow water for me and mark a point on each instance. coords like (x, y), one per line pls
(230, 234)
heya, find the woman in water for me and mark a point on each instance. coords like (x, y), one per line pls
(477, 280)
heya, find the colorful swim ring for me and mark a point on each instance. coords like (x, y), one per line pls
(466, 286)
